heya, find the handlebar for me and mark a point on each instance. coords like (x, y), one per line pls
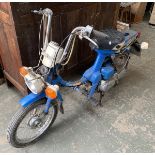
(37, 11)
(90, 34)
(46, 12)
(82, 32)
(92, 41)
(86, 32)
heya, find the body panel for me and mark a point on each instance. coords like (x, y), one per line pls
(31, 98)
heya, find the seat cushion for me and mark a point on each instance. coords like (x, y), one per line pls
(108, 38)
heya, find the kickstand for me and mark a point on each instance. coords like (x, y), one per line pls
(100, 100)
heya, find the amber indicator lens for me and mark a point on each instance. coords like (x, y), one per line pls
(51, 93)
(23, 71)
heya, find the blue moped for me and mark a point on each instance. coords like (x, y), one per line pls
(39, 109)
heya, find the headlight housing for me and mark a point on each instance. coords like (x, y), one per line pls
(33, 81)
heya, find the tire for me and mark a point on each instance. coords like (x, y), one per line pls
(17, 119)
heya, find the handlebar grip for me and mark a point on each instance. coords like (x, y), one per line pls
(34, 11)
(44, 11)
(37, 11)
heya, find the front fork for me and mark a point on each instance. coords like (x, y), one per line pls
(58, 100)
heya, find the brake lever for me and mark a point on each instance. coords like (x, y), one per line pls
(93, 42)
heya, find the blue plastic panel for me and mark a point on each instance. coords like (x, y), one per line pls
(107, 72)
(31, 98)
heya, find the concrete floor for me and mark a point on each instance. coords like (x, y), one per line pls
(126, 122)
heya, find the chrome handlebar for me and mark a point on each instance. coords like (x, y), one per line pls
(82, 32)
(92, 41)
(48, 14)
(43, 12)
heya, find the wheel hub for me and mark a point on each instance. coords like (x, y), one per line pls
(34, 122)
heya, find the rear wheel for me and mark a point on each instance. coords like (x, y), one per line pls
(30, 123)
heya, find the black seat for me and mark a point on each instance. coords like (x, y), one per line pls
(108, 38)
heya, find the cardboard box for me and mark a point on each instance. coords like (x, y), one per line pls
(138, 11)
(122, 26)
(152, 18)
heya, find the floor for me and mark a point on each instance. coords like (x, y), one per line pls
(126, 122)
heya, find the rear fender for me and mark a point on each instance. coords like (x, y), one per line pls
(31, 98)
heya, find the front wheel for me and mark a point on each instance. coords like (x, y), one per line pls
(30, 123)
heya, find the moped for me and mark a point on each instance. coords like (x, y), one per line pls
(39, 109)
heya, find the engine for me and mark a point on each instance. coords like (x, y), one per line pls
(120, 62)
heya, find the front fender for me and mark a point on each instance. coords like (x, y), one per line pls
(31, 98)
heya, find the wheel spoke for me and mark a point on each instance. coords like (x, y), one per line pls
(26, 132)
(24, 126)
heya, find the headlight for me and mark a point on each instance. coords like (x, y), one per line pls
(33, 81)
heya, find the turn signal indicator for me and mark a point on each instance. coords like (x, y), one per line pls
(51, 91)
(23, 71)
